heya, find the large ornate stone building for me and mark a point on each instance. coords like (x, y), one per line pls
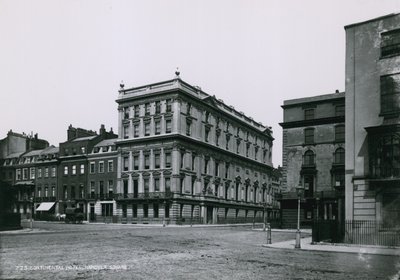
(313, 158)
(373, 120)
(186, 157)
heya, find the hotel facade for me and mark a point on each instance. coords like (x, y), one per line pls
(186, 157)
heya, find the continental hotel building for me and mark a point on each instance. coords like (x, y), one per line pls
(186, 157)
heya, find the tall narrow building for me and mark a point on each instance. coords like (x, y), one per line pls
(313, 152)
(373, 120)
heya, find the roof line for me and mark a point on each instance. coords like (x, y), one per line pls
(370, 20)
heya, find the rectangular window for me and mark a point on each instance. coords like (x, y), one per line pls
(110, 187)
(158, 107)
(193, 160)
(92, 189)
(167, 211)
(135, 162)
(110, 166)
(155, 210)
(147, 109)
(134, 210)
(168, 126)
(101, 188)
(18, 174)
(157, 161)
(126, 113)
(309, 136)
(124, 210)
(81, 191)
(309, 114)
(167, 183)
(226, 169)
(188, 127)
(101, 167)
(72, 192)
(39, 172)
(339, 179)
(339, 133)
(339, 110)
(46, 172)
(126, 131)
(146, 185)
(390, 94)
(216, 171)
(125, 163)
(157, 124)
(53, 191)
(32, 172)
(390, 44)
(207, 134)
(145, 211)
(65, 170)
(92, 167)
(167, 160)
(137, 111)
(147, 128)
(82, 169)
(146, 161)
(53, 171)
(25, 173)
(168, 105)
(73, 170)
(156, 184)
(136, 130)
(182, 159)
(206, 166)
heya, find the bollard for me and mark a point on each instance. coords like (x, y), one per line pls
(269, 241)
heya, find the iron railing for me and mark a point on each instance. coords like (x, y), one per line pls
(370, 232)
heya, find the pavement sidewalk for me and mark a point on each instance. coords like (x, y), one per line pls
(307, 245)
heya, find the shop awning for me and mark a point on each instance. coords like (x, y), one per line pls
(45, 206)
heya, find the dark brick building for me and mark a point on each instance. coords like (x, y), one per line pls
(313, 158)
(73, 170)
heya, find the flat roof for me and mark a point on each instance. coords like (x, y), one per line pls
(370, 20)
(311, 99)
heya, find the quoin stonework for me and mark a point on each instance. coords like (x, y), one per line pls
(186, 157)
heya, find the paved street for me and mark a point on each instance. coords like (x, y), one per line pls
(88, 251)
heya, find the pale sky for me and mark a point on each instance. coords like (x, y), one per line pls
(61, 62)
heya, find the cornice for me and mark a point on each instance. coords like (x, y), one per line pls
(313, 122)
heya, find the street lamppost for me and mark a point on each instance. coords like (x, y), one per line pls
(31, 204)
(299, 191)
